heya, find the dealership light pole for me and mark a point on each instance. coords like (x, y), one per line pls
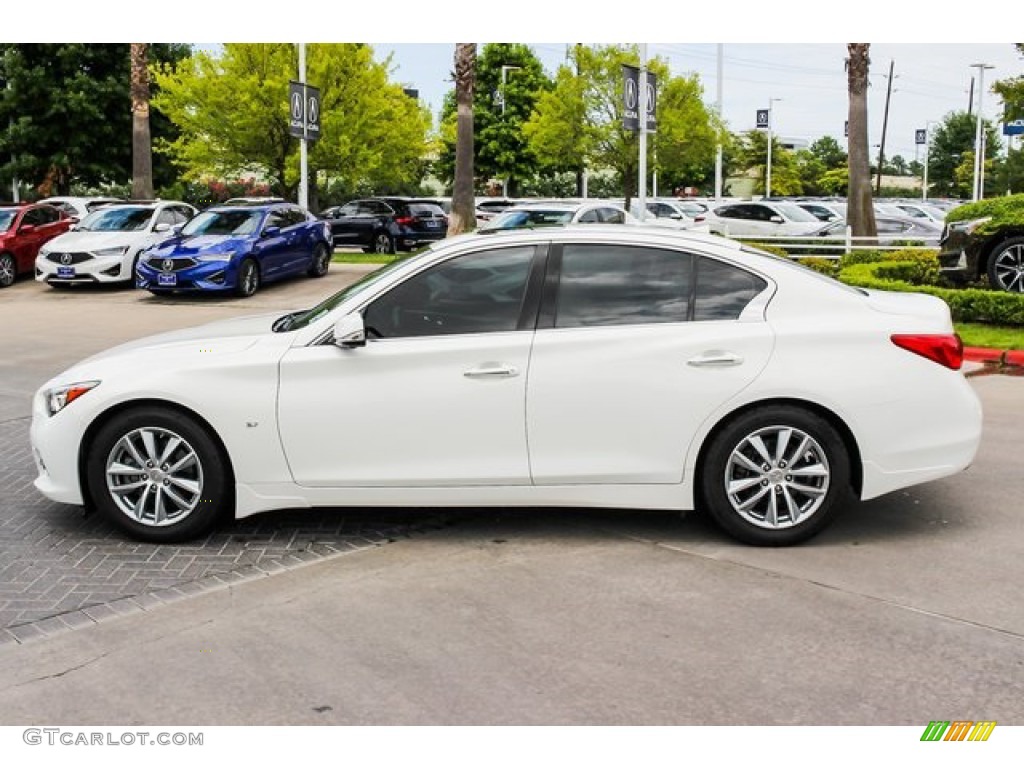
(979, 145)
(768, 171)
(927, 152)
(641, 197)
(718, 114)
(303, 157)
(505, 69)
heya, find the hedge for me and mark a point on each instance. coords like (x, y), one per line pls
(968, 305)
(1004, 212)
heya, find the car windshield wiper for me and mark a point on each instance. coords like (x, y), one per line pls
(284, 323)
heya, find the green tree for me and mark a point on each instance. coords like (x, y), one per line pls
(810, 170)
(579, 124)
(1011, 91)
(752, 156)
(951, 155)
(829, 153)
(371, 133)
(509, 80)
(68, 114)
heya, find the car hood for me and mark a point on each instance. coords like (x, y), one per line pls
(190, 246)
(220, 337)
(94, 241)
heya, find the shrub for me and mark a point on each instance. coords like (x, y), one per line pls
(966, 305)
(828, 267)
(1005, 211)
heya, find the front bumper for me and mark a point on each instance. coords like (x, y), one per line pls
(55, 441)
(109, 269)
(204, 276)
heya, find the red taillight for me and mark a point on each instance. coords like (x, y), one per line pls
(405, 221)
(945, 349)
(698, 219)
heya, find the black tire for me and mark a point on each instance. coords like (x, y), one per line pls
(248, 278)
(192, 498)
(791, 487)
(321, 261)
(1006, 266)
(383, 242)
(8, 270)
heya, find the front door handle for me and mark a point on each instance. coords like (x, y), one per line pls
(492, 371)
(715, 359)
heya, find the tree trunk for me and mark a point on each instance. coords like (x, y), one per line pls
(142, 152)
(860, 214)
(463, 215)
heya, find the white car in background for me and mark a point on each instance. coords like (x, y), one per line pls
(79, 207)
(104, 247)
(558, 213)
(760, 219)
(601, 366)
(671, 213)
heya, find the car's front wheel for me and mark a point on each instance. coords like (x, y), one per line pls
(321, 261)
(773, 475)
(1006, 266)
(248, 278)
(8, 270)
(158, 475)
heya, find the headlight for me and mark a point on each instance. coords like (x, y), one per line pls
(226, 256)
(44, 251)
(968, 226)
(60, 397)
(105, 252)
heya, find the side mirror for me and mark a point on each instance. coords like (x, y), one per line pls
(26, 228)
(271, 232)
(163, 226)
(349, 331)
(676, 216)
(777, 220)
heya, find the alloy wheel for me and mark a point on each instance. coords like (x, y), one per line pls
(1008, 268)
(777, 477)
(7, 270)
(154, 476)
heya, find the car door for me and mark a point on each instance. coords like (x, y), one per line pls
(31, 235)
(436, 396)
(347, 224)
(639, 346)
(274, 246)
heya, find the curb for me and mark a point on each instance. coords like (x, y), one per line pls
(1010, 358)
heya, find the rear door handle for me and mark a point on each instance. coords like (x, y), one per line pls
(487, 371)
(715, 359)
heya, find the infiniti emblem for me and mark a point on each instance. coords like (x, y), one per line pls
(65, 259)
(167, 265)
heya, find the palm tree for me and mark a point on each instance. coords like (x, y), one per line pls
(860, 212)
(142, 156)
(463, 216)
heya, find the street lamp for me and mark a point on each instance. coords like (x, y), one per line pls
(505, 69)
(768, 172)
(978, 143)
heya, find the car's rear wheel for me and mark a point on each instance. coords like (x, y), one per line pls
(773, 475)
(248, 278)
(383, 243)
(321, 261)
(8, 270)
(158, 475)
(1006, 266)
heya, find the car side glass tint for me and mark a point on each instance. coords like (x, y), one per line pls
(602, 285)
(723, 290)
(477, 293)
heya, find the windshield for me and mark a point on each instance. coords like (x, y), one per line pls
(119, 219)
(796, 213)
(536, 217)
(302, 319)
(240, 222)
(7, 219)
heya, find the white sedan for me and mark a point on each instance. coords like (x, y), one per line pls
(578, 366)
(104, 247)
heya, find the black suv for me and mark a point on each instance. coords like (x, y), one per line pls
(386, 224)
(985, 240)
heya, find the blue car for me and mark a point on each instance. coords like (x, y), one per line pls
(237, 248)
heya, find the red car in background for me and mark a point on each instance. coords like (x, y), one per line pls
(23, 230)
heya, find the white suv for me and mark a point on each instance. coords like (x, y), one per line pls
(105, 246)
(761, 219)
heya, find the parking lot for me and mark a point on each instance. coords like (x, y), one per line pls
(904, 611)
